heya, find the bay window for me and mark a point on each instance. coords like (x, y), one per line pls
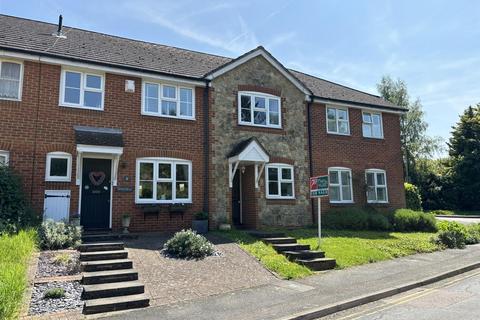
(279, 181)
(372, 125)
(340, 189)
(259, 109)
(10, 80)
(163, 180)
(82, 90)
(337, 121)
(376, 186)
(165, 100)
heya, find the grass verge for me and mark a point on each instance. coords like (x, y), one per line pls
(15, 252)
(266, 254)
(349, 248)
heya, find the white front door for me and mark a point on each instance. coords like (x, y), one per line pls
(56, 205)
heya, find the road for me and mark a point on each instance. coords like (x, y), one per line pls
(460, 220)
(454, 298)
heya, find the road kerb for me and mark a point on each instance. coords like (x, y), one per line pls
(355, 302)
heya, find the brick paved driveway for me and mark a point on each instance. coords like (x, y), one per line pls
(169, 280)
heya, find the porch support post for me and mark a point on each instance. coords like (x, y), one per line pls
(258, 173)
(231, 173)
(78, 171)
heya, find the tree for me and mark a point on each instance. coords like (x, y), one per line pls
(464, 151)
(416, 144)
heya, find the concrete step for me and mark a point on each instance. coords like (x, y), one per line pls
(99, 277)
(318, 264)
(100, 237)
(290, 247)
(103, 265)
(266, 234)
(281, 240)
(304, 254)
(103, 255)
(101, 246)
(114, 289)
(115, 303)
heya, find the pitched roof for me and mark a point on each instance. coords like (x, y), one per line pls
(242, 145)
(36, 37)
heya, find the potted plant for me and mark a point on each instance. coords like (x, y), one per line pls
(223, 223)
(200, 222)
(75, 219)
(125, 222)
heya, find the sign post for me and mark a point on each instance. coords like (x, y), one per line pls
(319, 189)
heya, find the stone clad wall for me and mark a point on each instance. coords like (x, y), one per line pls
(287, 145)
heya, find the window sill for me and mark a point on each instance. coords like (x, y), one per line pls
(57, 180)
(243, 124)
(378, 202)
(80, 107)
(11, 99)
(373, 138)
(339, 134)
(337, 203)
(167, 117)
(166, 203)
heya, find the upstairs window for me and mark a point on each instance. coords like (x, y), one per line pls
(10, 80)
(340, 185)
(168, 101)
(4, 156)
(337, 121)
(372, 125)
(59, 167)
(256, 109)
(279, 181)
(164, 180)
(82, 90)
(376, 186)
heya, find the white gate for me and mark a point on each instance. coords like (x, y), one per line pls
(56, 205)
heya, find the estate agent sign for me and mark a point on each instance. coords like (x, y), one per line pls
(318, 189)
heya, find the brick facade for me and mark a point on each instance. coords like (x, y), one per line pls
(31, 128)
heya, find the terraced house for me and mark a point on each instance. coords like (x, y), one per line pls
(99, 126)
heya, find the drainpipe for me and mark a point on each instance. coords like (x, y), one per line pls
(310, 156)
(35, 130)
(206, 145)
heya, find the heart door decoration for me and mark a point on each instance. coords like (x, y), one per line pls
(96, 177)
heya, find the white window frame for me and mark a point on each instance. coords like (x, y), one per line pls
(160, 98)
(156, 161)
(371, 124)
(279, 167)
(336, 108)
(339, 184)
(252, 96)
(5, 154)
(83, 88)
(58, 155)
(20, 85)
(375, 171)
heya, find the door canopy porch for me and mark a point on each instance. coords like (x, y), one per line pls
(248, 152)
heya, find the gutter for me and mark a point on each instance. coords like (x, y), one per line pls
(310, 156)
(206, 145)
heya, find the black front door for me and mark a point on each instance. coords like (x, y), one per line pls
(96, 185)
(236, 199)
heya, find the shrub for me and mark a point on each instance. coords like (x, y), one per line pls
(355, 219)
(62, 259)
(188, 244)
(201, 215)
(54, 293)
(412, 196)
(452, 235)
(409, 220)
(473, 234)
(58, 235)
(15, 212)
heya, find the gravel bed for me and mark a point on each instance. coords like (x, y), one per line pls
(49, 267)
(72, 299)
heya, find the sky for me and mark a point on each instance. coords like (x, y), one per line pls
(434, 46)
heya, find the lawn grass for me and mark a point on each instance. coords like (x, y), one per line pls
(15, 252)
(349, 248)
(455, 212)
(266, 254)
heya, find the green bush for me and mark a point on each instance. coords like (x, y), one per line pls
(58, 235)
(412, 196)
(452, 235)
(408, 220)
(355, 219)
(442, 212)
(54, 293)
(201, 215)
(188, 244)
(15, 212)
(473, 234)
